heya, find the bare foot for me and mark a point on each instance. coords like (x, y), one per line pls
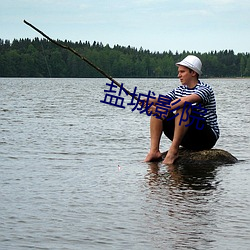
(171, 156)
(153, 156)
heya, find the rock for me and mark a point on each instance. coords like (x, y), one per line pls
(213, 157)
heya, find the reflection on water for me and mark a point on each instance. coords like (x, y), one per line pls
(189, 177)
(184, 195)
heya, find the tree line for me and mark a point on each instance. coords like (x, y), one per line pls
(41, 58)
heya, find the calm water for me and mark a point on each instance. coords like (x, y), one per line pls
(72, 175)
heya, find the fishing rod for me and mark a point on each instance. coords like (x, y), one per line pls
(81, 57)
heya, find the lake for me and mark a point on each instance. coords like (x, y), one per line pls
(72, 173)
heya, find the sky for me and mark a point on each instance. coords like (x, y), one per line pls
(155, 25)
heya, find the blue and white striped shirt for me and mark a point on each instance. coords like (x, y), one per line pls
(205, 92)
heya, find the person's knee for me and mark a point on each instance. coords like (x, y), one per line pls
(154, 119)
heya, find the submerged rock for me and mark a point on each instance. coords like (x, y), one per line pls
(204, 157)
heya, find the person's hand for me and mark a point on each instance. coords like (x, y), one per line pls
(143, 102)
(152, 109)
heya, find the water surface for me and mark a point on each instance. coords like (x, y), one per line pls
(72, 175)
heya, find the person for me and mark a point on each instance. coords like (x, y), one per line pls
(180, 123)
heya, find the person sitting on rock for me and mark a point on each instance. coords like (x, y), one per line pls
(183, 124)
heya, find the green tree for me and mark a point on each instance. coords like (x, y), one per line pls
(247, 69)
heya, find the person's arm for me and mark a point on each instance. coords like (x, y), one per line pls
(150, 100)
(193, 98)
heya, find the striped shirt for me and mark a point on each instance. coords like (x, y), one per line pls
(205, 92)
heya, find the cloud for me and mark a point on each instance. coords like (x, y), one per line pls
(148, 2)
(225, 5)
(222, 2)
(83, 6)
(152, 24)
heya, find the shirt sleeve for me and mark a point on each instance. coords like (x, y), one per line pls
(175, 93)
(205, 93)
(171, 94)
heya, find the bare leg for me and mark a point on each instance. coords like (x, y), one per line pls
(179, 132)
(155, 137)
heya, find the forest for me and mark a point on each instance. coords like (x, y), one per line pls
(41, 58)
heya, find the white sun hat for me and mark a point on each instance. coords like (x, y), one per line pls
(191, 62)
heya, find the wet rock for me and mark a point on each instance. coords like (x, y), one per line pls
(204, 157)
